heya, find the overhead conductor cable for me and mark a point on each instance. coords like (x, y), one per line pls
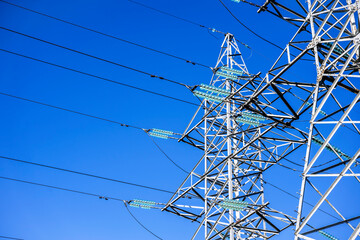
(95, 57)
(104, 34)
(98, 77)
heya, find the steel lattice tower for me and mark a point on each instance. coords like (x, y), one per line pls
(242, 134)
(328, 34)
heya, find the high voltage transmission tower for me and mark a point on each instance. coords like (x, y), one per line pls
(244, 126)
(247, 124)
(328, 33)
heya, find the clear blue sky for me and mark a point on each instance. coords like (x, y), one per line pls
(40, 134)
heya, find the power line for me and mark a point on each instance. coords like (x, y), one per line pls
(42, 165)
(117, 199)
(85, 174)
(142, 225)
(92, 56)
(80, 192)
(63, 189)
(172, 15)
(112, 198)
(11, 238)
(98, 77)
(161, 150)
(72, 111)
(249, 29)
(253, 32)
(292, 195)
(209, 29)
(287, 167)
(297, 164)
(105, 34)
(99, 118)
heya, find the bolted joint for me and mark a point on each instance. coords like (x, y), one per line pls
(357, 39)
(353, 7)
(314, 43)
